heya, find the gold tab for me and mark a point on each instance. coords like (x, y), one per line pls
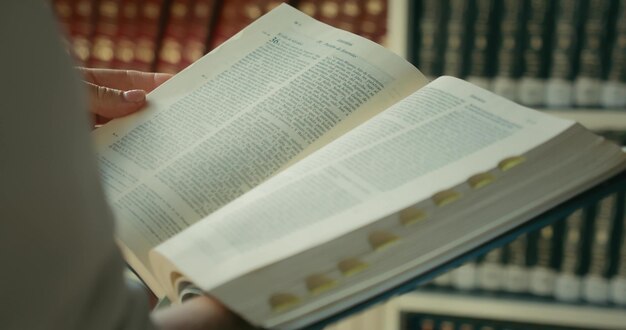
(510, 162)
(446, 197)
(480, 180)
(174, 277)
(352, 266)
(281, 302)
(318, 284)
(380, 239)
(411, 216)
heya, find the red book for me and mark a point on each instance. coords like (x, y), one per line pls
(236, 15)
(124, 42)
(149, 19)
(106, 28)
(199, 29)
(64, 12)
(81, 28)
(171, 52)
(373, 21)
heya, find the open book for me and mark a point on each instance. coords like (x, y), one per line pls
(299, 169)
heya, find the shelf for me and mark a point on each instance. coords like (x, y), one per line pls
(503, 309)
(595, 119)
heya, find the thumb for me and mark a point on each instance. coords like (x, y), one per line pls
(113, 103)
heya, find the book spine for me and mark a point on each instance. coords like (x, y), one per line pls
(465, 278)
(64, 13)
(614, 89)
(568, 282)
(426, 51)
(587, 85)
(200, 27)
(490, 272)
(124, 43)
(457, 39)
(234, 15)
(373, 21)
(595, 283)
(82, 29)
(509, 58)
(106, 30)
(542, 256)
(617, 284)
(482, 44)
(149, 22)
(345, 14)
(443, 280)
(516, 275)
(535, 56)
(564, 53)
(170, 55)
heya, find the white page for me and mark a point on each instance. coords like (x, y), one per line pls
(434, 139)
(281, 88)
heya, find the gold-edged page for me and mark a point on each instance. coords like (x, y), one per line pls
(434, 139)
(235, 117)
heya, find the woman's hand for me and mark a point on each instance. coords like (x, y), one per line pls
(117, 93)
(199, 313)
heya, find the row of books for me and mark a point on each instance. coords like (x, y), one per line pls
(168, 35)
(428, 321)
(581, 258)
(562, 53)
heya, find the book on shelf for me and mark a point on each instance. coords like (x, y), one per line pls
(458, 39)
(298, 170)
(617, 271)
(482, 44)
(614, 88)
(537, 29)
(564, 53)
(509, 49)
(427, 35)
(594, 46)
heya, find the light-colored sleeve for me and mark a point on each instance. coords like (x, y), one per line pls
(59, 266)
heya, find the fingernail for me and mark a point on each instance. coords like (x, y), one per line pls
(135, 95)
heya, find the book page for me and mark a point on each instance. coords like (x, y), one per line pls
(278, 90)
(434, 139)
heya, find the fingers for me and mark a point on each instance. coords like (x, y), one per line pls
(198, 313)
(124, 79)
(110, 103)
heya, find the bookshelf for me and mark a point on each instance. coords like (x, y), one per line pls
(535, 314)
(594, 118)
(458, 299)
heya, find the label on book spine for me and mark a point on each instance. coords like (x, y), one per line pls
(506, 87)
(532, 91)
(541, 281)
(587, 91)
(568, 282)
(490, 271)
(464, 277)
(567, 287)
(559, 93)
(515, 272)
(613, 94)
(595, 284)
(617, 290)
